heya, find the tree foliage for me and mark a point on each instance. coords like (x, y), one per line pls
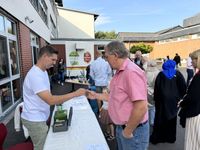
(105, 35)
(144, 48)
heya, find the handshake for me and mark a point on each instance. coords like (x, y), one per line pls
(89, 94)
(92, 95)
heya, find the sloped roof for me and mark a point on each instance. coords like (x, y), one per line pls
(175, 28)
(95, 15)
(136, 36)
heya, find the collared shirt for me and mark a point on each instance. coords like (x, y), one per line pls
(129, 84)
(100, 72)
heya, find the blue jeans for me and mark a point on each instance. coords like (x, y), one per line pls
(151, 114)
(139, 141)
(93, 103)
(61, 76)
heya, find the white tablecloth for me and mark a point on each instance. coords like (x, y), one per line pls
(84, 132)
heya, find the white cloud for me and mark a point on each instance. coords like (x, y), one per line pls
(102, 20)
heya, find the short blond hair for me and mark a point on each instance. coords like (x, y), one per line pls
(196, 55)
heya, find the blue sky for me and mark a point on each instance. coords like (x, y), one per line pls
(136, 15)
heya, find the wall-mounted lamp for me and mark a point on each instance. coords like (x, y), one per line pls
(28, 19)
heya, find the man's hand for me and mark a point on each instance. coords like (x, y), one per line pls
(127, 133)
(80, 92)
(90, 94)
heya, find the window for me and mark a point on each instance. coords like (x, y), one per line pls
(53, 28)
(10, 27)
(41, 7)
(185, 37)
(196, 36)
(5, 96)
(2, 27)
(34, 47)
(101, 47)
(13, 57)
(16, 89)
(4, 67)
(10, 84)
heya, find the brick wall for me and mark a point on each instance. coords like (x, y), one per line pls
(61, 51)
(42, 42)
(24, 49)
(183, 48)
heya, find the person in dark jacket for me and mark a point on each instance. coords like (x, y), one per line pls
(169, 88)
(177, 59)
(190, 107)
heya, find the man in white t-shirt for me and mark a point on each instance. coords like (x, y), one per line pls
(38, 98)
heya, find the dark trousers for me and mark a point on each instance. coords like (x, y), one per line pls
(190, 73)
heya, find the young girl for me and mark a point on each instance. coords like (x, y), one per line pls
(105, 120)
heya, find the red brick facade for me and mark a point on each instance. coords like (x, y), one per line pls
(24, 49)
(42, 42)
(61, 51)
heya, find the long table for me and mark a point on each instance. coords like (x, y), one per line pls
(84, 132)
(76, 82)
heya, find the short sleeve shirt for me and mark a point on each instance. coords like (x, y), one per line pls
(34, 108)
(129, 84)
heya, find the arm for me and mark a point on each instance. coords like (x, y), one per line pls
(99, 96)
(59, 99)
(137, 114)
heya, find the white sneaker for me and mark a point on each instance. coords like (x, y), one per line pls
(62, 84)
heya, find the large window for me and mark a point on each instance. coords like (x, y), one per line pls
(41, 8)
(10, 85)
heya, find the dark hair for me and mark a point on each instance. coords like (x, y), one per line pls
(49, 50)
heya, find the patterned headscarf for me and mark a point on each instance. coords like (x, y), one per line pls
(169, 69)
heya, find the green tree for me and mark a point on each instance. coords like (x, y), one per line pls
(105, 35)
(141, 47)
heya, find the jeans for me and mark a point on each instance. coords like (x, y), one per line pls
(151, 114)
(139, 141)
(61, 76)
(93, 103)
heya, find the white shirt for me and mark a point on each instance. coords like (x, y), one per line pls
(100, 72)
(35, 109)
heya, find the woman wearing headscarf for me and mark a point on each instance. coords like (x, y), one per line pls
(169, 88)
(190, 108)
